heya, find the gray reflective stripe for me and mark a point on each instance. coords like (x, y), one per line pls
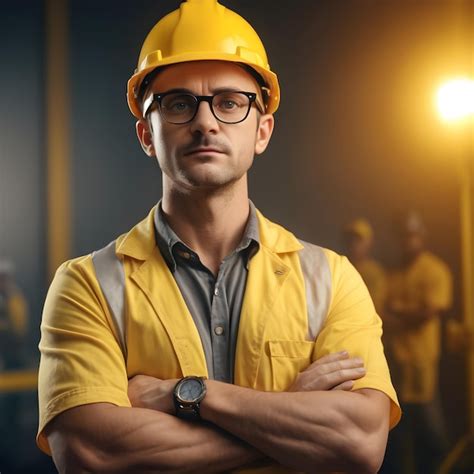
(111, 278)
(317, 281)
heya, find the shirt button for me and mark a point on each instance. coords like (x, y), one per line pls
(216, 291)
(218, 330)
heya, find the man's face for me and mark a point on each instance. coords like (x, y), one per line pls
(204, 153)
(412, 243)
(358, 247)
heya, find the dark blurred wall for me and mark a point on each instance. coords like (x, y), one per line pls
(114, 183)
(22, 207)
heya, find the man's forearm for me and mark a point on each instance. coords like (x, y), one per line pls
(414, 319)
(105, 438)
(305, 430)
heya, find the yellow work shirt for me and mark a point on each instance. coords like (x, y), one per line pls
(374, 277)
(81, 358)
(426, 282)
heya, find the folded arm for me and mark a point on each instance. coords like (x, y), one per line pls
(316, 425)
(147, 438)
(335, 430)
(104, 438)
(410, 319)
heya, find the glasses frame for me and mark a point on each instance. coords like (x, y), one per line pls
(159, 96)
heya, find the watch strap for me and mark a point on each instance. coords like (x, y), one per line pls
(187, 412)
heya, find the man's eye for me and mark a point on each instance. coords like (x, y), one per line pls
(229, 104)
(179, 106)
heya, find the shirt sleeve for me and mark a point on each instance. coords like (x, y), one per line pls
(81, 360)
(352, 324)
(438, 287)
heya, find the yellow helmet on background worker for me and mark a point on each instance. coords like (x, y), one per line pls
(203, 30)
(359, 227)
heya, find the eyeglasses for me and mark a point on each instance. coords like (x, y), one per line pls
(181, 107)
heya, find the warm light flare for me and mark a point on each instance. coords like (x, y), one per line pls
(455, 99)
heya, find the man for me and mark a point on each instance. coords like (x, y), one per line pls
(359, 240)
(209, 338)
(420, 292)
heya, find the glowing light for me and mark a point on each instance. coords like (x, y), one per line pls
(455, 99)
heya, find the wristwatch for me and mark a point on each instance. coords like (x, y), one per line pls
(188, 393)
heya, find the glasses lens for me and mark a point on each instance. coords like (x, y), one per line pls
(231, 107)
(178, 108)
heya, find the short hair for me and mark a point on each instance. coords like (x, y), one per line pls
(147, 80)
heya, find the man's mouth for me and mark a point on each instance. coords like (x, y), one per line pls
(203, 150)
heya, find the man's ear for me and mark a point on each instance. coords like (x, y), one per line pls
(145, 137)
(264, 133)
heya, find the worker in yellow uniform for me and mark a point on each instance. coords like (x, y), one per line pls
(359, 240)
(209, 338)
(420, 292)
(13, 319)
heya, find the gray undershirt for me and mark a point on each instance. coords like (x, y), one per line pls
(214, 303)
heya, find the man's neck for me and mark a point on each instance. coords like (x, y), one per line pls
(211, 224)
(410, 258)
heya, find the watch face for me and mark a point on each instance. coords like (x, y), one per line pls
(190, 390)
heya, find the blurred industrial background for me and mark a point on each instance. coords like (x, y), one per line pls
(357, 134)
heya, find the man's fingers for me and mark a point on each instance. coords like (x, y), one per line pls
(340, 376)
(333, 370)
(328, 366)
(345, 385)
(334, 357)
(313, 381)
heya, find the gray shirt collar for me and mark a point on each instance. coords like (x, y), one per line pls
(169, 243)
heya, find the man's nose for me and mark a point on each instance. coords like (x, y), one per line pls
(204, 121)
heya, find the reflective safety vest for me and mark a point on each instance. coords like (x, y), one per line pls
(110, 274)
(303, 271)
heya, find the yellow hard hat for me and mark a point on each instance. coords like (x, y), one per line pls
(360, 227)
(202, 30)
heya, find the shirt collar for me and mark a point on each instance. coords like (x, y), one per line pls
(169, 243)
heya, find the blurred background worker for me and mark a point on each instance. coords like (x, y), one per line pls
(420, 291)
(13, 319)
(13, 333)
(358, 240)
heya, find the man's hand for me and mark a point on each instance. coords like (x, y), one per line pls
(154, 394)
(332, 372)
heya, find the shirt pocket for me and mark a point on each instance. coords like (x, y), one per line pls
(288, 359)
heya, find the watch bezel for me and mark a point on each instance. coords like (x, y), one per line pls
(183, 382)
(186, 409)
